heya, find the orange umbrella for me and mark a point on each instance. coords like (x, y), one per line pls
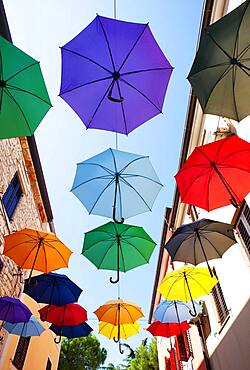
(36, 250)
(119, 312)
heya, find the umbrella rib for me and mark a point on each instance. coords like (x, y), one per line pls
(238, 30)
(14, 100)
(45, 257)
(237, 168)
(16, 245)
(115, 165)
(216, 43)
(21, 70)
(134, 160)
(1, 66)
(134, 45)
(97, 164)
(105, 254)
(96, 243)
(28, 92)
(98, 106)
(89, 59)
(98, 198)
(194, 180)
(85, 84)
(203, 236)
(208, 186)
(123, 110)
(141, 93)
(127, 242)
(94, 178)
(146, 70)
(174, 282)
(136, 191)
(107, 41)
(209, 67)
(216, 83)
(198, 283)
(52, 247)
(28, 255)
(142, 176)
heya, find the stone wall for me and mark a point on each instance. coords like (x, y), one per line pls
(27, 213)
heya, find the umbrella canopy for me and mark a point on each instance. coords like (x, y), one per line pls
(114, 331)
(118, 312)
(31, 328)
(13, 310)
(24, 99)
(67, 315)
(116, 184)
(36, 250)
(220, 73)
(200, 241)
(118, 247)
(114, 75)
(160, 329)
(175, 311)
(187, 283)
(53, 289)
(72, 331)
(209, 179)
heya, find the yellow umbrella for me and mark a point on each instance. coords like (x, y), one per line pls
(118, 312)
(111, 331)
(187, 283)
(36, 250)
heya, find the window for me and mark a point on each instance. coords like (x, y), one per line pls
(12, 196)
(184, 346)
(243, 227)
(49, 364)
(21, 351)
(220, 302)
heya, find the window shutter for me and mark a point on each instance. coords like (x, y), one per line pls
(243, 228)
(12, 196)
(220, 302)
(21, 352)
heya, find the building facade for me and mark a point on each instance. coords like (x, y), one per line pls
(219, 337)
(24, 203)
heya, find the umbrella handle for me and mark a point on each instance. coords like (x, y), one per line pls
(32, 283)
(120, 348)
(116, 340)
(118, 222)
(194, 314)
(58, 341)
(115, 100)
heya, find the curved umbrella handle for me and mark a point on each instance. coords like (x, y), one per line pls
(195, 312)
(115, 100)
(116, 340)
(118, 222)
(117, 279)
(120, 348)
(58, 341)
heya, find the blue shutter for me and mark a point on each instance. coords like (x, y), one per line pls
(12, 196)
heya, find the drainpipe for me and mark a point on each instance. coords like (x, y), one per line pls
(203, 345)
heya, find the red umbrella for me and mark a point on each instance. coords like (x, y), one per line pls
(216, 174)
(160, 329)
(68, 315)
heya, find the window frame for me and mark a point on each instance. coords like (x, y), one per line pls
(13, 193)
(21, 352)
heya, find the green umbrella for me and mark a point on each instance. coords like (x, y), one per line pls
(220, 74)
(24, 99)
(118, 247)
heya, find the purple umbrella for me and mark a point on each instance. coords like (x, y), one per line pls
(114, 75)
(13, 310)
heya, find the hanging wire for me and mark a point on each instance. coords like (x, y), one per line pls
(116, 135)
(115, 9)
(119, 290)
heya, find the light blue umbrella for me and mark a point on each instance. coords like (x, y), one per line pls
(175, 311)
(31, 328)
(116, 184)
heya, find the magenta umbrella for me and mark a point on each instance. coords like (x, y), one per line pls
(114, 75)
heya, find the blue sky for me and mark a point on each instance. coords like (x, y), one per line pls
(39, 28)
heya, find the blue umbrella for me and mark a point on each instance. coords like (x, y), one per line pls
(31, 328)
(76, 331)
(175, 311)
(53, 289)
(116, 184)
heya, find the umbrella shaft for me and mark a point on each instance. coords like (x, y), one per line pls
(225, 183)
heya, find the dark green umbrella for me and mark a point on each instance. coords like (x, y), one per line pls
(220, 74)
(24, 99)
(118, 247)
(200, 241)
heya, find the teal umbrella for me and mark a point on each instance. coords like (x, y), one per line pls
(118, 247)
(31, 328)
(24, 99)
(220, 74)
